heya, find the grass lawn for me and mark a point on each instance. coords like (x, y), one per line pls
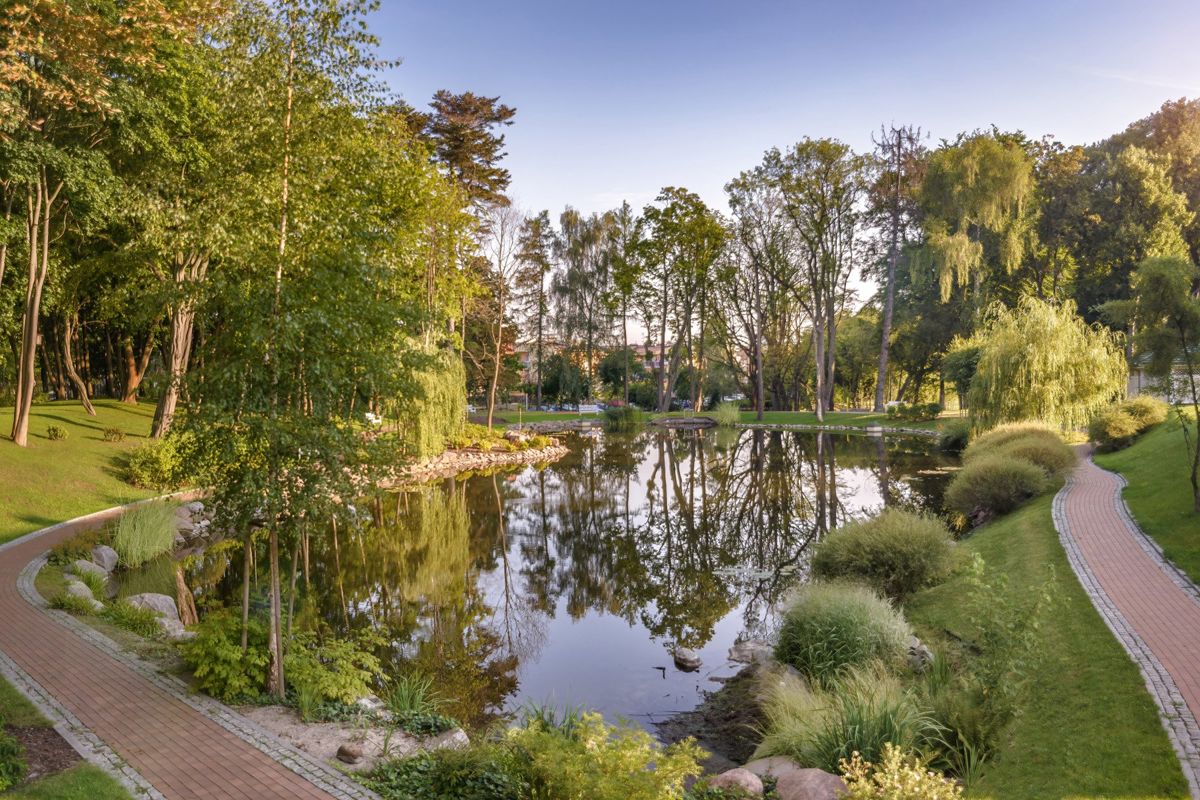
(1089, 728)
(81, 782)
(1160, 493)
(49, 482)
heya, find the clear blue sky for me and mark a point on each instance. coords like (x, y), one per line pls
(616, 99)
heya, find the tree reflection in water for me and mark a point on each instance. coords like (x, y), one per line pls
(567, 584)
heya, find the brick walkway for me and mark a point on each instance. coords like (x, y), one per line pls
(1152, 608)
(181, 752)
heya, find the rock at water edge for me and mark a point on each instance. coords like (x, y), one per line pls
(794, 782)
(686, 659)
(104, 557)
(742, 780)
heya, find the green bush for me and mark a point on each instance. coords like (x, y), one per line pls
(994, 484)
(896, 553)
(216, 659)
(78, 547)
(1003, 435)
(142, 621)
(897, 776)
(917, 412)
(727, 414)
(12, 760)
(954, 437)
(482, 772)
(1148, 411)
(1118, 425)
(56, 433)
(341, 670)
(145, 532)
(436, 412)
(828, 627)
(113, 435)
(862, 712)
(540, 442)
(602, 762)
(161, 464)
(1035, 444)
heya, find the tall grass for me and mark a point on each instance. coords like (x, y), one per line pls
(727, 413)
(413, 693)
(624, 418)
(896, 552)
(95, 581)
(145, 532)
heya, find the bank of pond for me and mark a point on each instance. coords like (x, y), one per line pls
(788, 598)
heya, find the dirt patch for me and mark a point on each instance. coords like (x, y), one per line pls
(46, 753)
(322, 739)
(725, 724)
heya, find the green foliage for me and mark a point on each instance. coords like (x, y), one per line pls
(162, 464)
(896, 777)
(142, 621)
(917, 412)
(145, 532)
(12, 760)
(436, 412)
(1006, 434)
(959, 366)
(954, 437)
(79, 606)
(623, 418)
(424, 723)
(828, 627)
(56, 433)
(602, 762)
(338, 669)
(97, 583)
(994, 484)
(1119, 425)
(113, 434)
(482, 772)
(411, 692)
(896, 552)
(1030, 442)
(727, 413)
(1041, 361)
(77, 547)
(1148, 411)
(216, 659)
(861, 712)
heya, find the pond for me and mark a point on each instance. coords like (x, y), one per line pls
(568, 584)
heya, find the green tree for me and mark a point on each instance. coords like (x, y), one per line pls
(618, 368)
(624, 255)
(536, 249)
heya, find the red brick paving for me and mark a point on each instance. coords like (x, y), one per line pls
(181, 752)
(1163, 615)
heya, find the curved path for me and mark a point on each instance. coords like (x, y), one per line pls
(145, 728)
(1151, 607)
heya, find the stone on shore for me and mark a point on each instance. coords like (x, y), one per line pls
(794, 782)
(104, 557)
(738, 780)
(80, 567)
(454, 739)
(160, 604)
(686, 659)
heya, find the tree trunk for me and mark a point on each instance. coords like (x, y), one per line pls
(275, 676)
(189, 270)
(40, 199)
(185, 599)
(135, 367)
(496, 365)
(889, 301)
(70, 321)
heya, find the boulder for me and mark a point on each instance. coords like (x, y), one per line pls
(184, 524)
(371, 703)
(752, 651)
(794, 782)
(80, 566)
(350, 753)
(160, 604)
(453, 739)
(195, 507)
(919, 656)
(78, 589)
(173, 629)
(738, 780)
(104, 557)
(686, 659)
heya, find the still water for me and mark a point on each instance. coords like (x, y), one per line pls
(569, 584)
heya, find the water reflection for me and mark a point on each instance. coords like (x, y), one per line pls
(568, 584)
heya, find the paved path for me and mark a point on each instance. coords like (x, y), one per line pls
(170, 744)
(1152, 607)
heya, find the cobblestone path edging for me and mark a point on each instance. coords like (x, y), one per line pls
(1121, 604)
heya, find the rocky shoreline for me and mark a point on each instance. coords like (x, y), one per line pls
(456, 462)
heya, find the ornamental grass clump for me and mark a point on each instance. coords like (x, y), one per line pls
(862, 712)
(896, 553)
(1119, 425)
(136, 619)
(1003, 435)
(727, 414)
(145, 532)
(1033, 443)
(994, 484)
(829, 626)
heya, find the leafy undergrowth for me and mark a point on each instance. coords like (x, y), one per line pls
(52, 481)
(1160, 494)
(1086, 727)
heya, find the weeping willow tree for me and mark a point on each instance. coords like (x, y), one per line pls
(975, 193)
(1041, 361)
(438, 409)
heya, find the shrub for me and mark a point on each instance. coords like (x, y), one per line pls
(1117, 426)
(216, 659)
(830, 626)
(79, 546)
(145, 532)
(540, 442)
(954, 437)
(896, 777)
(601, 762)
(481, 772)
(1003, 435)
(424, 723)
(917, 412)
(1148, 411)
(861, 713)
(994, 484)
(142, 621)
(113, 435)
(56, 433)
(897, 552)
(623, 418)
(12, 760)
(727, 414)
(1033, 443)
(79, 606)
(341, 670)
(159, 463)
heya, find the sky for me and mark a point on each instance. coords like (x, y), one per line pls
(617, 99)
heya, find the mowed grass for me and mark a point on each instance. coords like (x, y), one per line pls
(1088, 728)
(50, 481)
(1159, 493)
